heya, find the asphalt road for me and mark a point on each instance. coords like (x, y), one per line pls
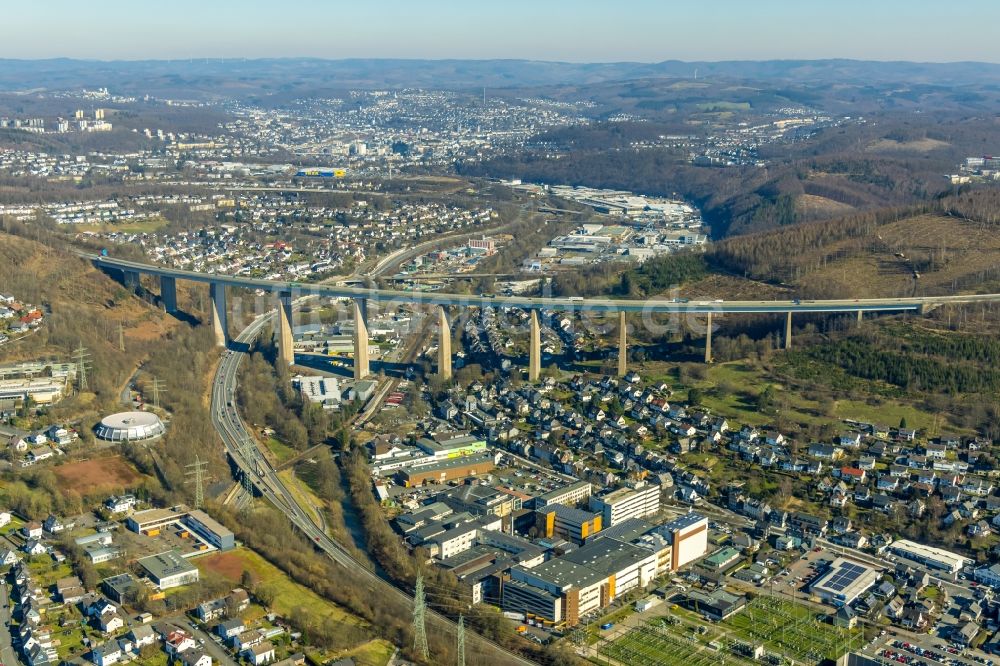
(7, 655)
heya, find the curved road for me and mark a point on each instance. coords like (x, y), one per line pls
(242, 449)
(552, 303)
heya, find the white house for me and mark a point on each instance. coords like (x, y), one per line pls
(260, 654)
(111, 622)
(178, 642)
(107, 654)
(34, 547)
(195, 658)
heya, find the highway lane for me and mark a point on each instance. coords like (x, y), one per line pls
(653, 305)
(243, 450)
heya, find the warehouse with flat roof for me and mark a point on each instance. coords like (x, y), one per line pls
(844, 581)
(210, 529)
(448, 470)
(154, 519)
(169, 569)
(936, 558)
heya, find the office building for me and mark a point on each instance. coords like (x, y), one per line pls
(625, 503)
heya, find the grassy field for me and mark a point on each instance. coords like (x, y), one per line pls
(281, 451)
(731, 389)
(303, 495)
(377, 652)
(792, 629)
(288, 594)
(46, 572)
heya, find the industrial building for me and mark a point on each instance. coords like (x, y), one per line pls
(324, 391)
(210, 529)
(716, 605)
(844, 581)
(626, 566)
(936, 558)
(448, 470)
(446, 445)
(722, 559)
(688, 536)
(169, 569)
(557, 592)
(151, 521)
(130, 427)
(42, 391)
(625, 503)
(574, 525)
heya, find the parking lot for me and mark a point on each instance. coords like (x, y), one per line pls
(925, 650)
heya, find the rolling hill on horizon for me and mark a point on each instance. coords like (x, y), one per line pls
(216, 78)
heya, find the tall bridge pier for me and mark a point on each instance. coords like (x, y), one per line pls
(360, 340)
(168, 293)
(286, 345)
(535, 349)
(217, 293)
(444, 345)
(708, 338)
(131, 280)
(622, 344)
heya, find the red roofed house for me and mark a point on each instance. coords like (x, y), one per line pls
(853, 474)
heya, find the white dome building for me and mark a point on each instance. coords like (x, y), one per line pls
(131, 426)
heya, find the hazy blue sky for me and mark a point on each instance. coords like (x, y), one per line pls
(580, 30)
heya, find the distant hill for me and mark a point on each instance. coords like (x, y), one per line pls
(217, 78)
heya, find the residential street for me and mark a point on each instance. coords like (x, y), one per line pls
(7, 655)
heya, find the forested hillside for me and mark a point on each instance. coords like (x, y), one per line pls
(939, 247)
(121, 332)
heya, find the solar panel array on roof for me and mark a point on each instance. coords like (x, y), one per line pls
(845, 575)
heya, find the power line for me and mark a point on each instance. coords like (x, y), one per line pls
(419, 620)
(196, 471)
(82, 357)
(158, 386)
(461, 640)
